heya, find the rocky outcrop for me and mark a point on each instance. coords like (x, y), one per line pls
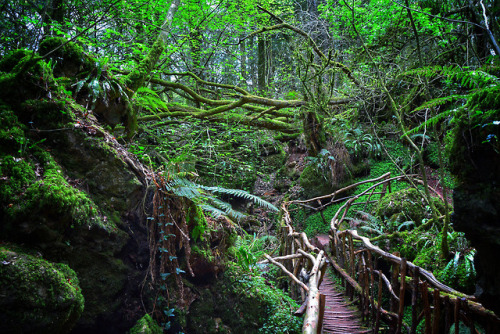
(71, 195)
(37, 296)
(475, 160)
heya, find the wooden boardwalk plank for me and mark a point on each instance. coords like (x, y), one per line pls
(339, 318)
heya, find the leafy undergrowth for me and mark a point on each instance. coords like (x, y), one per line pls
(312, 223)
(421, 246)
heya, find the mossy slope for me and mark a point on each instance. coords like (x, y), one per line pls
(37, 296)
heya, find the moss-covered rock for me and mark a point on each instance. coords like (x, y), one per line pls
(12, 135)
(24, 75)
(316, 181)
(327, 172)
(69, 57)
(274, 160)
(16, 173)
(37, 296)
(474, 148)
(78, 210)
(146, 325)
(243, 303)
(405, 205)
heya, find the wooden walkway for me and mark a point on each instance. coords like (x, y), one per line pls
(339, 318)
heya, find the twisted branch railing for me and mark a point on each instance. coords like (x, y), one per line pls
(410, 292)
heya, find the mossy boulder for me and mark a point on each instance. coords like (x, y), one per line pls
(70, 195)
(405, 205)
(474, 148)
(273, 160)
(316, 181)
(146, 325)
(69, 57)
(243, 302)
(12, 133)
(330, 170)
(37, 296)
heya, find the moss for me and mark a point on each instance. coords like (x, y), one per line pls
(315, 181)
(70, 57)
(37, 295)
(196, 221)
(12, 59)
(52, 196)
(243, 303)
(47, 113)
(405, 205)
(146, 325)
(28, 77)
(274, 161)
(12, 132)
(16, 173)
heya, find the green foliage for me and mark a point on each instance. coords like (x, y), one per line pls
(148, 100)
(197, 220)
(250, 249)
(278, 306)
(42, 296)
(321, 163)
(99, 85)
(360, 144)
(459, 272)
(405, 205)
(202, 195)
(146, 325)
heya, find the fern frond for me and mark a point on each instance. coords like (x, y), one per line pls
(439, 101)
(216, 213)
(427, 71)
(242, 194)
(202, 195)
(149, 100)
(431, 122)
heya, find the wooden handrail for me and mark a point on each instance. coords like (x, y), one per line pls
(355, 263)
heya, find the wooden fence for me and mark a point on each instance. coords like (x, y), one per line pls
(393, 295)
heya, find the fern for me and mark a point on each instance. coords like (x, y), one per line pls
(148, 100)
(431, 121)
(242, 194)
(203, 196)
(468, 78)
(439, 101)
(476, 81)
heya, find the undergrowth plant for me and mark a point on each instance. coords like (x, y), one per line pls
(203, 196)
(249, 249)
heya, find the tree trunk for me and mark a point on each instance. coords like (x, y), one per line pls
(261, 63)
(313, 131)
(243, 63)
(138, 76)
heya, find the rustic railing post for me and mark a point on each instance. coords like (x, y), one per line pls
(427, 308)
(401, 307)
(437, 312)
(372, 283)
(379, 306)
(447, 314)
(414, 297)
(322, 303)
(395, 285)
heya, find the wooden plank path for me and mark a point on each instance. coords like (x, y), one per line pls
(339, 318)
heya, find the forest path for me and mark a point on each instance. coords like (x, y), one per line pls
(339, 318)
